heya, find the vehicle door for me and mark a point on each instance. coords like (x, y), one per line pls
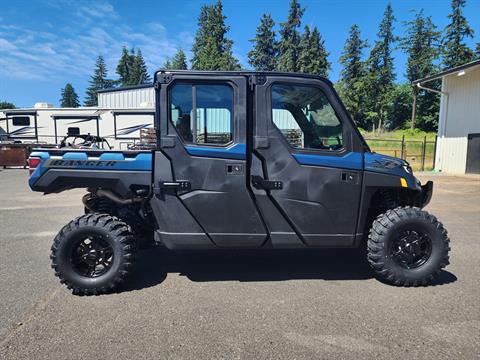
(307, 162)
(201, 166)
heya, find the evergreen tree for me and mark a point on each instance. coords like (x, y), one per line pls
(212, 50)
(179, 61)
(421, 46)
(428, 105)
(312, 58)
(477, 51)
(352, 82)
(69, 97)
(132, 70)
(381, 75)
(351, 59)
(289, 45)
(124, 68)
(263, 56)
(167, 65)
(456, 52)
(7, 105)
(399, 103)
(303, 50)
(139, 72)
(97, 82)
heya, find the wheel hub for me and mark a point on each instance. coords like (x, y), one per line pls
(411, 249)
(92, 257)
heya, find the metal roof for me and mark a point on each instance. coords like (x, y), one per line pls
(19, 112)
(447, 72)
(139, 111)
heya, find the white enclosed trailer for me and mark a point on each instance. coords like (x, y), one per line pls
(121, 127)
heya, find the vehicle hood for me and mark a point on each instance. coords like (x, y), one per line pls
(390, 165)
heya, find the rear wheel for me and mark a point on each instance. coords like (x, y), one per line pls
(140, 226)
(407, 247)
(93, 254)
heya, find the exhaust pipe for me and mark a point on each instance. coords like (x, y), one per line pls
(115, 198)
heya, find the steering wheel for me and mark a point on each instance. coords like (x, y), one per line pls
(317, 144)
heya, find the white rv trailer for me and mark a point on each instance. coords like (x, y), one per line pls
(47, 125)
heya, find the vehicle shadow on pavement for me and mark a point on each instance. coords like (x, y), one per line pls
(154, 264)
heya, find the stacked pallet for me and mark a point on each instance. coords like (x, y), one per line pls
(148, 139)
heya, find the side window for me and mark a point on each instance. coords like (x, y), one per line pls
(182, 110)
(203, 114)
(305, 117)
(21, 121)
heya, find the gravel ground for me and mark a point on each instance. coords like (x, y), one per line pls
(262, 305)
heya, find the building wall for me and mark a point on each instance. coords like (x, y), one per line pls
(127, 99)
(459, 116)
(461, 107)
(451, 156)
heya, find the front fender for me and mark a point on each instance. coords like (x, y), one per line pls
(424, 195)
(395, 167)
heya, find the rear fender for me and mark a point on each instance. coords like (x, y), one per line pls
(118, 171)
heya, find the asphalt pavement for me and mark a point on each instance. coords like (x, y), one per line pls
(245, 305)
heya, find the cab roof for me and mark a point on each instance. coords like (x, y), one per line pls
(242, 73)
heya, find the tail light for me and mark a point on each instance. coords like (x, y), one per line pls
(32, 164)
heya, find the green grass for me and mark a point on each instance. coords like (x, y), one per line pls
(397, 134)
(379, 142)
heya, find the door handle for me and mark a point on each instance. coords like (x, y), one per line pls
(349, 177)
(261, 184)
(181, 185)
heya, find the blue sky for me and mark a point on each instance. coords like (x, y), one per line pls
(47, 43)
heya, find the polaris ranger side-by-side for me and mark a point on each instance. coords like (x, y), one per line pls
(243, 160)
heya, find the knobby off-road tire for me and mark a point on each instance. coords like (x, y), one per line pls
(93, 254)
(407, 247)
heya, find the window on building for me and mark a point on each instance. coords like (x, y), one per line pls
(203, 114)
(305, 117)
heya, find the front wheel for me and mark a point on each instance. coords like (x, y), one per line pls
(407, 247)
(93, 254)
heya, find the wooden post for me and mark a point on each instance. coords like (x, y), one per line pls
(424, 152)
(402, 151)
(435, 151)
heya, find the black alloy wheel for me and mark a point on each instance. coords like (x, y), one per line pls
(411, 249)
(92, 256)
(407, 246)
